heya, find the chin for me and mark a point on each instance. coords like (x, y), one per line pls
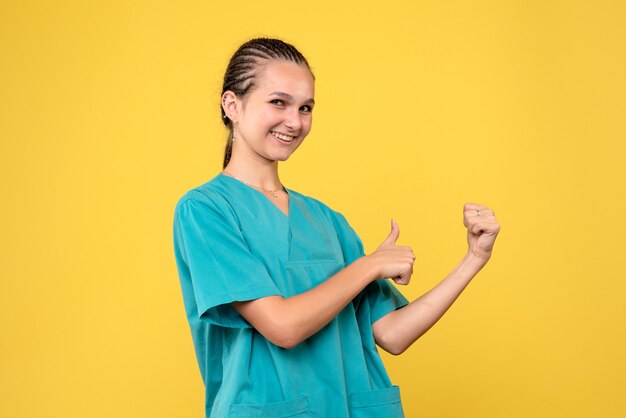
(281, 153)
(281, 157)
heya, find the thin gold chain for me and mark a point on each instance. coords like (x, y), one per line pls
(271, 192)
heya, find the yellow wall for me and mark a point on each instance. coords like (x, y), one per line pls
(109, 112)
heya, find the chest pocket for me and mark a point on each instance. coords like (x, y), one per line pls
(312, 235)
(303, 275)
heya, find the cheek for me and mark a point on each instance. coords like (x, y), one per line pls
(307, 123)
(260, 124)
(269, 116)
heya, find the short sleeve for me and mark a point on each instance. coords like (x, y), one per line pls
(214, 262)
(379, 297)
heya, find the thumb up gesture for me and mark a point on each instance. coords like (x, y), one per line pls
(391, 260)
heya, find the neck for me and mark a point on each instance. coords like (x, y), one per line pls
(259, 173)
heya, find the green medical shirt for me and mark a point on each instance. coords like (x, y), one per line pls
(233, 244)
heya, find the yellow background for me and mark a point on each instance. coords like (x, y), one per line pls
(109, 113)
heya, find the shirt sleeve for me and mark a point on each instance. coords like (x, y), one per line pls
(379, 297)
(214, 262)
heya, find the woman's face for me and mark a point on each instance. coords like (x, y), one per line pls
(276, 116)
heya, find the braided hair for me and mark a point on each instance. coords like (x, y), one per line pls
(243, 68)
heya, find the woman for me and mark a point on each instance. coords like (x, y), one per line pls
(284, 306)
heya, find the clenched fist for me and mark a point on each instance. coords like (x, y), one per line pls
(482, 229)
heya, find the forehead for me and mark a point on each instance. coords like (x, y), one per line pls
(287, 77)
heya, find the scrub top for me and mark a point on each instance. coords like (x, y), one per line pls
(233, 244)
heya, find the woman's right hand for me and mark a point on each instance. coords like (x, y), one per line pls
(391, 260)
(288, 321)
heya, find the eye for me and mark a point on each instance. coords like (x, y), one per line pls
(277, 102)
(306, 108)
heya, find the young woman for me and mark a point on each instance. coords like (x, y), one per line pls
(285, 308)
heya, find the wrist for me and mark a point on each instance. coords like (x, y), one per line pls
(366, 269)
(475, 261)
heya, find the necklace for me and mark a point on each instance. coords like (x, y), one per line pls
(271, 192)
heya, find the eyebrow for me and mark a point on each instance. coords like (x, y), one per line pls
(289, 97)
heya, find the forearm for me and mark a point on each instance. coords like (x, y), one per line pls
(396, 331)
(288, 321)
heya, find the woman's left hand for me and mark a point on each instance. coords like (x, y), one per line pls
(482, 230)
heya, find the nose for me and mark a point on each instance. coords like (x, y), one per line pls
(293, 120)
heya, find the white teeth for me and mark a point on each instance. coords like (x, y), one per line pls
(283, 137)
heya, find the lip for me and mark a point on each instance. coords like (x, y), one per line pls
(283, 141)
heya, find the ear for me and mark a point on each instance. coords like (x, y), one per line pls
(231, 105)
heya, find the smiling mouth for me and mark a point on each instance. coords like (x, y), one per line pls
(282, 137)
